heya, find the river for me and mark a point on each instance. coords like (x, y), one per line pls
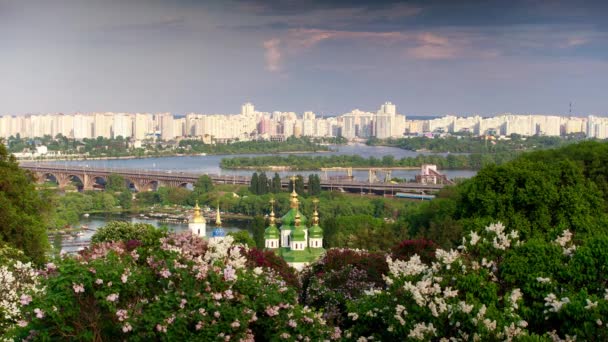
(95, 222)
(210, 164)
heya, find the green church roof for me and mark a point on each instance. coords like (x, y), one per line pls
(315, 232)
(298, 234)
(271, 232)
(289, 219)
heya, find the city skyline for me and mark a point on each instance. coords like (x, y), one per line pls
(433, 58)
(251, 124)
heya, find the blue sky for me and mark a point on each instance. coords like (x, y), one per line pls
(427, 57)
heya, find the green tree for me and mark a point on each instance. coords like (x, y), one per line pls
(276, 183)
(258, 225)
(262, 184)
(147, 234)
(203, 185)
(21, 209)
(243, 237)
(116, 183)
(300, 184)
(254, 185)
(125, 199)
(314, 185)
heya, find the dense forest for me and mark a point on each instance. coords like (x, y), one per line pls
(518, 252)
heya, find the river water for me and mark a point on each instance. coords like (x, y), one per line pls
(95, 222)
(210, 164)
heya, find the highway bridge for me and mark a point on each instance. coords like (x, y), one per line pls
(88, 178)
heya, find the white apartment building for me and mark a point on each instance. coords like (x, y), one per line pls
(167, 126)
(122, 126)
(597, 127)
(357, 124)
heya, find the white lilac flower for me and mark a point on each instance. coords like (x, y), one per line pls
(420, 330)
(590, 305)
(39, 313)
(554, 304)
(474, 238)
(229, 273)
(516, 295)
(447, 257)
(165, 273)
(413, 266)
(126, 328)
(78, 288)
(25, 299)
(112, 297)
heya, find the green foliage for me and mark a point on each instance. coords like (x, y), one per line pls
(275, 186)
(254, 186)
(203, 185)
(258, 226)
(22, 209)
(314, 185)
(126, 231)
(362, 232)
(179, 196)
(473, 161)
(116, 183)
(472, 144)
(243, 237)
(540, 194)
(292, 144)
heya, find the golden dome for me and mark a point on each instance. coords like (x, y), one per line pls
(218, 219)
(197, 217)
(293, 201)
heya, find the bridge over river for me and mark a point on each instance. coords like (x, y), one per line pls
(146, 180)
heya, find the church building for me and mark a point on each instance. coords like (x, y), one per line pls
(198, 225)
(298, 244)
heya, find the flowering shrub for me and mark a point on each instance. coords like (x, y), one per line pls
(186, 289)
(272, 262)
(18, 281)
(474, 293)
(341, 276)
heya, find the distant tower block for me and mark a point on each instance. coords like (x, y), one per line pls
(197, 225)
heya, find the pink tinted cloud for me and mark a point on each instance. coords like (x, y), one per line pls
(574, 41)
(430, 51)
(273, 54)
(307, 38)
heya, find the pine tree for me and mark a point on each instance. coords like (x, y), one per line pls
(254, 184)
(300, 184)
(314, 185)
(262, 184)
(276, 183)
(257, 227)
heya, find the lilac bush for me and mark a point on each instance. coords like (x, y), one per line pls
(186, 289)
